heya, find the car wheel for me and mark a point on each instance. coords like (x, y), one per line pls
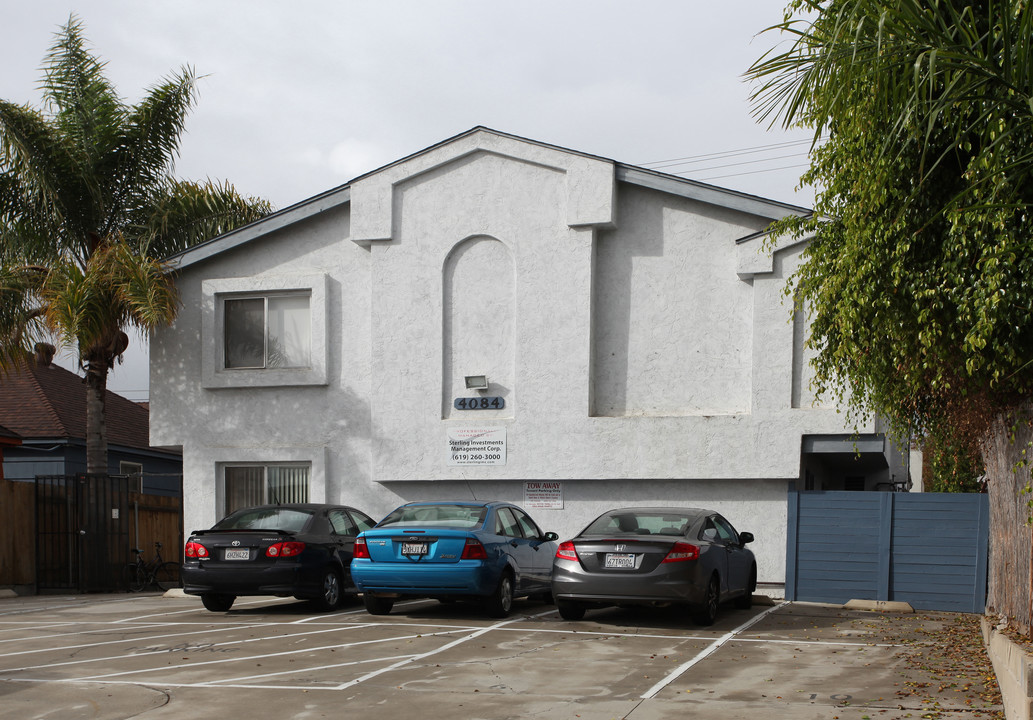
(570, 610)
(706, 613)
(329, 591)
(216, 602)
(745, 601)
(377, 605)
(500, 602)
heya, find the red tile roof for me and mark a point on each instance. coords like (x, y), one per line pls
(47, 401)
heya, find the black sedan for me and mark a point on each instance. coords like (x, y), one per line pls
(302, 550)
(657, 557)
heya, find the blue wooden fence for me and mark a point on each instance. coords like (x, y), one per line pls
(927, 549)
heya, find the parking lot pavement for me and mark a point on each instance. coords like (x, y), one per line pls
(121, 656)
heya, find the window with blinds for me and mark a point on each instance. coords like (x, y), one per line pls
(250, 485)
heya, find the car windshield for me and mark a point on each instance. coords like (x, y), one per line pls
(459, 517)
(640, 523)
(289, 519)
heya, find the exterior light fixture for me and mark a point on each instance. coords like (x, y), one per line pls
(476, 382)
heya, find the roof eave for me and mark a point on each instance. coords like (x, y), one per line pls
(710, 194)
(276, 221)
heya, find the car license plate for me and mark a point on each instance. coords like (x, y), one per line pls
(410, 548)
(619, 560)
(237, 554)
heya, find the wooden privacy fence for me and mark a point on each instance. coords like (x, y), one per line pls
(927, 549)
(18, 554)
(156, 518)
(76, 532)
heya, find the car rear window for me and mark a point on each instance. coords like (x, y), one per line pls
(459, 517)
(640, 523)
(289, 519)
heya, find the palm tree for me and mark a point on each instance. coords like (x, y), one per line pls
(88, 209)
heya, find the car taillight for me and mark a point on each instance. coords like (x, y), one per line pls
(289, 548)
(566, 551)
(361, 551)
(681, 551)
(195, 550)
(474, 550)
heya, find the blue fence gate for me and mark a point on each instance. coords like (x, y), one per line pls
(926, 549)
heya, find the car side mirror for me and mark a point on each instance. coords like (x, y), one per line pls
(550, 537)
(745, 537)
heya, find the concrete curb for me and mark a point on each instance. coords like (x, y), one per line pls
(1014, 669)
(880, 606)
(7, 593)
(175, 593)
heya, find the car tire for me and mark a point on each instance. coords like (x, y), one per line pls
(377, 605)
(218, 602)
(745, 601)
(500, 602)
(331, 591)
(706, 613)
(570, 610)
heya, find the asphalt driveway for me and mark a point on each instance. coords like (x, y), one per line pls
(122, 656)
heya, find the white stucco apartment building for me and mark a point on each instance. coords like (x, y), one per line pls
(627, 330)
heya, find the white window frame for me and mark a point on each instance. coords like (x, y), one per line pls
(134, 471)
(214, 293)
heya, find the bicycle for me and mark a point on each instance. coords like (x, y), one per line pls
(163, 573)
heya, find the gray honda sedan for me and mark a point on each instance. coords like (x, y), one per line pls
(658, 557)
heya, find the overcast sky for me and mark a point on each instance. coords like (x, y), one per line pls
(297, 98)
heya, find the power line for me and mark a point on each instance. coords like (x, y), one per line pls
(753, 172)
(725, 153)
(747, 162)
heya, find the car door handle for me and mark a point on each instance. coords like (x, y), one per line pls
(514, 543)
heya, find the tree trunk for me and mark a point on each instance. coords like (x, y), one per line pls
(1006, 450)
(96, 429)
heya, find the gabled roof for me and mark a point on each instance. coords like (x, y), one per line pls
(341, 195)
(49, 402)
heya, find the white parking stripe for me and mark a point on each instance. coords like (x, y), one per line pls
(710, 649)
(407, 603)
(120, 641)
(270, 601)
(248, 658)
(441, 649)
(278, 638)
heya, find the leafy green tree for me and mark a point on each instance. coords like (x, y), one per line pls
(919, 268)
(88, 208)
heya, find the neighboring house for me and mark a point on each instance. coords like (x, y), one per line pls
(46, 406)
(494, 317)
(8, 439)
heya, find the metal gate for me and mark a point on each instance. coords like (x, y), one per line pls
(927, 549)
(82, 532)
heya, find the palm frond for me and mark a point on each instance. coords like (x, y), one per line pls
(184, 214)
(149, 144)
(85, 104)
(33, 163)
(22, 317)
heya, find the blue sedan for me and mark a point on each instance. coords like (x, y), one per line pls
(490, 552)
